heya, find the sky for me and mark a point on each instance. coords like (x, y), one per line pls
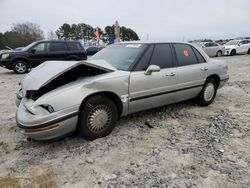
(180, 20)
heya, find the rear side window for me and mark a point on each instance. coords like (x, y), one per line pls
(185, 55)
(199, 56)
(144, 61)
(162, 56)
(74, 46)
(58, 46)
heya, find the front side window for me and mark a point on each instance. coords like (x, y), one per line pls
(185, 55)
(41, 47)
(207, 45)
(144, 61)
(121, 56)
(57, 46)
(162, 56)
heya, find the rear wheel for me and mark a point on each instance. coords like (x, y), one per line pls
(219, 54)
(20, 67)
(233, 52)
(208, 93)
(98, 117)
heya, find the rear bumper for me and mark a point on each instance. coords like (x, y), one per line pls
(224, 79)
(46, 126)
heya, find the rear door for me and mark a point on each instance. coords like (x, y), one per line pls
(57, 51)
(76, 51)
(149, 91)
(192, 71)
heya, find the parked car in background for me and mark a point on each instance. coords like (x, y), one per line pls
(91, 50)
(38, 52)
(213, 49)
(89, 96)
(241, 46)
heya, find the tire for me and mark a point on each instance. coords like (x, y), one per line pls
(248, 52)
(97, 118)
(20, 67)
(233, 52)
(208, 93)
(219, 54)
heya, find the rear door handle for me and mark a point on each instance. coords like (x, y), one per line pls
(171, 74)
(204, 68)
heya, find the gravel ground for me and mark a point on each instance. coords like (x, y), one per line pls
(181, 145)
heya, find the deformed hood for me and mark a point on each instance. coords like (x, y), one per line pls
(49, 70)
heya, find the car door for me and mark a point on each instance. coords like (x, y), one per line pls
(208, 49)
(192, 71)
(149, 91)
(214, 49)
(243, 46)
(57, 51)
(38, 54)
(76, 50)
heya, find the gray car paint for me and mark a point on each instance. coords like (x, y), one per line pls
(128, 86)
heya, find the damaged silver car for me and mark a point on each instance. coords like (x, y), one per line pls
(88, 97)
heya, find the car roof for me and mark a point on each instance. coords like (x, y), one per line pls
(57, 41)
(151, 42)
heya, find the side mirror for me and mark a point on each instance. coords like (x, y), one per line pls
(33, 51)
(152, 68)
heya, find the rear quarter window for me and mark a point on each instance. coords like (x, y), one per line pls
(185, 55)
(74, 46)
(200, 58)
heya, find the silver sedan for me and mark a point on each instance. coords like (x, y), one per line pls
(213, 49)
(88, 97)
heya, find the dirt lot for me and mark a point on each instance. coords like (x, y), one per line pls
(180, 145)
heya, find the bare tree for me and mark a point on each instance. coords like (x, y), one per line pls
(27, 32)
(51, 35)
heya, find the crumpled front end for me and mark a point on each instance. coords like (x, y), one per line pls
(49, 108)
(44, 125)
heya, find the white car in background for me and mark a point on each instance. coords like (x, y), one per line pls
(213, 49)
(234, 47)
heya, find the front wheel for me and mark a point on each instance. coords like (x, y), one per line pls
(20, 67)
(98, 117)
(208, 93)
(233, 52)
(248, 52)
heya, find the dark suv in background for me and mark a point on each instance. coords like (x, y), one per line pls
(38, 52)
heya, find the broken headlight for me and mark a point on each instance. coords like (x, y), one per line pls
(48, 107)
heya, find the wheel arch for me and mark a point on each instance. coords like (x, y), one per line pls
(114, 97)
(216, 77)
(20, 59)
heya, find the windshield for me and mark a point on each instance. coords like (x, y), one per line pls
(232, 42)
(28, 47)
(121, 56)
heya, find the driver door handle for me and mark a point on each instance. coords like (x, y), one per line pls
(170, 74)
(204, 68)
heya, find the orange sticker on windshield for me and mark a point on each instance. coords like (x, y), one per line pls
(185, 53)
